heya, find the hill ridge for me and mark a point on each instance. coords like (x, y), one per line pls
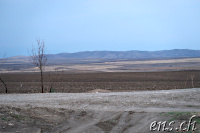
(133, 54)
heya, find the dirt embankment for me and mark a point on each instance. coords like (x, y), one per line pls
(94, 112)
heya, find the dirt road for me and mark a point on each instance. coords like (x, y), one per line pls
(93, 112)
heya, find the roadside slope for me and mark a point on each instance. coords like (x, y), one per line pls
(118, 112)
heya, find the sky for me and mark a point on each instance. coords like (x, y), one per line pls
(90, 25)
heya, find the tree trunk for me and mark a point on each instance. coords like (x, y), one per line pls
(192, 78)
(4, 85)
(42, 85)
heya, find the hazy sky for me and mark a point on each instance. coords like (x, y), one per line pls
(88, 25)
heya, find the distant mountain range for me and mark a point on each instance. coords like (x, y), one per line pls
(68, 60)
(176, 53)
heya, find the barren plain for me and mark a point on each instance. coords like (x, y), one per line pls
(100, 96)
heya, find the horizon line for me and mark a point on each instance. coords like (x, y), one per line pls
(108, 51)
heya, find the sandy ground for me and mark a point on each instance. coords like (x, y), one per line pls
(114, 112)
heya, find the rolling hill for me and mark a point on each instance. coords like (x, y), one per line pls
(176, 53)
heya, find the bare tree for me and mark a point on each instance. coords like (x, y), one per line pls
(186, 82)
(192, 79)
(52, 81)
(2, 61)
(39, 58)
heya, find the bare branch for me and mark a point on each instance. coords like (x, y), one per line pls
(58, 75)
(39, 58)
(2, 61)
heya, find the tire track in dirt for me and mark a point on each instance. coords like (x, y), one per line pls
(125, 112)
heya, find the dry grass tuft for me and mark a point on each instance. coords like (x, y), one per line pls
(99, 91)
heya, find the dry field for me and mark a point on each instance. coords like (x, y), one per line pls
(100, 96)
(14, 65)
(114, 82)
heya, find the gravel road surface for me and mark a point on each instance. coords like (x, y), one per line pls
(148, 101)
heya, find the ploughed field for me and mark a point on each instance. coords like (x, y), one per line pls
(114, 82)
